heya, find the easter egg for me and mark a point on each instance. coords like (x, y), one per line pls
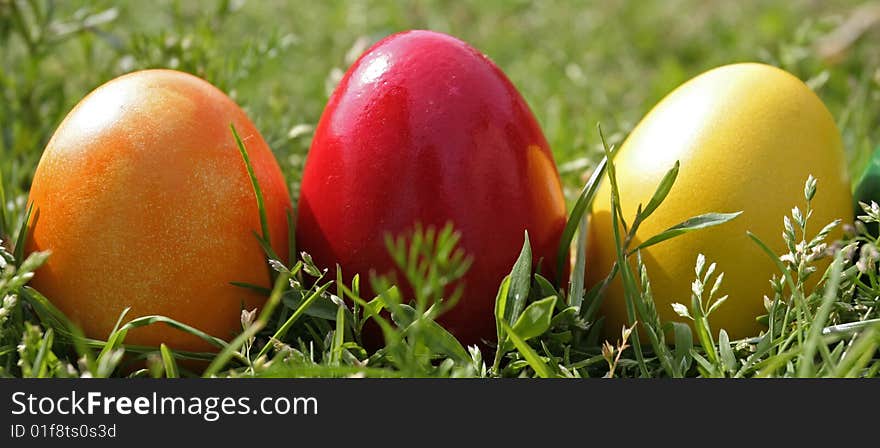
(867, 186)
(867, 189)
(144, 201)
(747, 136)
(424, 129)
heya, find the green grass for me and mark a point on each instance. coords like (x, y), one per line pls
(576, 64)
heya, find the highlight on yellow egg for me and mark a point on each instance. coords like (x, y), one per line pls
(743, 138)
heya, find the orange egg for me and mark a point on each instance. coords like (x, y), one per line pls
(145, 202)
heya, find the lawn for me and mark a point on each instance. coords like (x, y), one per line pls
(577, 64)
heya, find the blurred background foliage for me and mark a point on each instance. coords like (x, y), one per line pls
(577, 63)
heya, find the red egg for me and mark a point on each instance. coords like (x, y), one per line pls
(425, 129)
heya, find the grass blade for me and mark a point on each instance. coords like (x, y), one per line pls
(850, 327)
(534, 360)
(577, 214)
(697, 222)
(150, 320)
(630, 290)
(500, 309)
(814, 337)
(267, 249)
(291, 237)
(595, 296)
(520, 282)
(26, 224)
(281, 370)
(262, 290)
(261, 206)
(41, 361)
(114, 341)
(284, 328)
(534, 320)
(232, 348)
(576, 287)
(858, 355)
(338, 337)
(728, 359)
(775, 259)
(434, 336)
(49, 315)
(662, 191)
(168, 362)
(52, 317)
(684, 342)
(3, 222)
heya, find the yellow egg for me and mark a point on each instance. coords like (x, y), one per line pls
(747, 137)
